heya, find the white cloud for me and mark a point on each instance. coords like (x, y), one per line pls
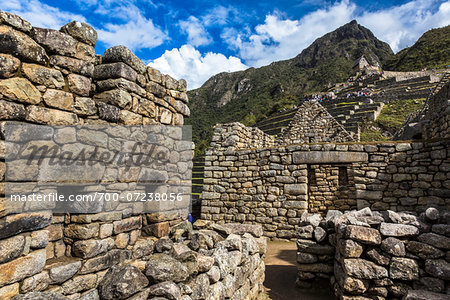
(197, 35)
(401, 26)
(278, 38)
(39, 14)
(188, 63)
(221, 15)
(138, 33)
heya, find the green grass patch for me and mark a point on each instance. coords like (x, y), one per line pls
(371, 135)
(394, 114)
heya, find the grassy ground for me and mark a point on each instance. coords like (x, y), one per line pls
(391, 119)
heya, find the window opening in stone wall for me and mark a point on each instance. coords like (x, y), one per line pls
(311, 176)
(343, 176)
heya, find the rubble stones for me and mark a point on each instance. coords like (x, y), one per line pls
(121, 283)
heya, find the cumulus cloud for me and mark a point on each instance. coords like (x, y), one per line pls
(279, 38)
(138, 33)
(400, 26)
(196, 32)
(39, 14)
(188, 63)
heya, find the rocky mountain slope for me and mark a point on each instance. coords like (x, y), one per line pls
(430, 51)
(251, 95)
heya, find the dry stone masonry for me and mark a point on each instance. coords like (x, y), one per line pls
(51, 77)
(376, 255)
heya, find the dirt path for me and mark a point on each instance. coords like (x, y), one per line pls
(281, 273)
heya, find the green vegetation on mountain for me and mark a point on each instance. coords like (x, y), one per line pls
(430, 51)
(390, 120)
(251, 95)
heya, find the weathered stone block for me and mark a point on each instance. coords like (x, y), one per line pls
(115, 97)
(8, 65)
(435, 240)
(120, 83)
(127, 224)
(114, 70)
(162, 267)
(72, 64)
(123, 54)
(108, 112)
(438, 268)
(91, 248)
(398, 230)
(84, 106)
(22, 267)
(19, 89)
(21, 45)
(42, 115)
(11, 111)
(81, 31)
(43, 76)
(14, 224)
(62, 270)
(296, 189)
(122, 282)
(79, 84)
(113, 257)
(404, 269)
(15, 21)
(58, 99)
(319, 157)
(363, 234)
(82, 231)
(55, 41)
(363, 269)
(11, 248)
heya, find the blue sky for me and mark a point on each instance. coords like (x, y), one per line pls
(197, 39)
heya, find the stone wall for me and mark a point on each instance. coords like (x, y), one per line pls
(238, 136)
(274, 186)
(50, 77)
(438, 114)
(376, 255)
(313, 124)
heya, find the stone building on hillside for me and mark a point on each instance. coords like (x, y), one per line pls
(362, 66)
(313, 124)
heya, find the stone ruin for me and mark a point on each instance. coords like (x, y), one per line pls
(371, 219)
(53, 84)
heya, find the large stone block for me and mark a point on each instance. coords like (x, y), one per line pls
(162, 267)
(42, 115)
(79, 85)
(84, 106)
(115, 97)
(363, 269)
(438, 268)
(15, 21)
(11, 111)
(120, 83)
(55, 41)
(91, 248)
(398, 230)
(82, 231)
(43, 76)
(20, 89)
(435, 240)
(127, 224)
(73, 65)
(22, 267)
(320, 157)
(108, 112)
(14, 224)
(114, 70)
(81, 31)
(404, 269)
(123, 54)
(11, 248)
(363, 234)
(21, 45)
(425, 295)
(122, 282)
(113, 257)
(8, 65)
(296, 189)
(61, 270)
(58, 99)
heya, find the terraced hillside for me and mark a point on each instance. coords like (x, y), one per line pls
(391, 98)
